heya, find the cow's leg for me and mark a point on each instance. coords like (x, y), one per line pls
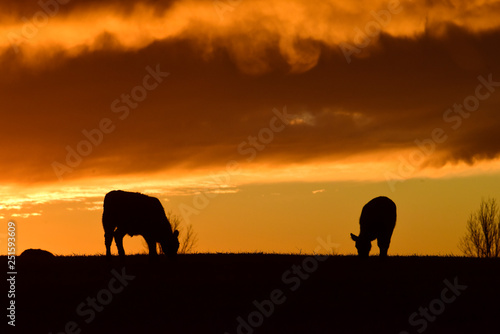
(153, 255)
(384, 240)
(383, 245)
(119, 242)
(108, 240)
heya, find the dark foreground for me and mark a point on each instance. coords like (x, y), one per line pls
(254, 293)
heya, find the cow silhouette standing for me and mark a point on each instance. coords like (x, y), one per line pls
(137, 214)
(377, 221)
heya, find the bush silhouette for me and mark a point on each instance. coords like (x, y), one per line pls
(482, 238)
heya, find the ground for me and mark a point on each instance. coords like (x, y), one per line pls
(258, 293)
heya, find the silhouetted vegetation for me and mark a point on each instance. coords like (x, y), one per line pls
(482, 238)
(37, 254)
(188, 237)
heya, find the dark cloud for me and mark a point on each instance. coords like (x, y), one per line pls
(394, 92)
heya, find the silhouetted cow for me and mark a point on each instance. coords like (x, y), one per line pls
(137, 214)
(377, 221)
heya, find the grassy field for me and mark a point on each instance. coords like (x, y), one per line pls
(258, 293)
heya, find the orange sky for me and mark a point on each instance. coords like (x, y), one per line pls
(265, 124)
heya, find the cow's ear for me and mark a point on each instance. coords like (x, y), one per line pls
(353, 237)
(176, 233)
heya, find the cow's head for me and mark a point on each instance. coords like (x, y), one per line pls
(172, 245)
(362, 245)
(169, 241)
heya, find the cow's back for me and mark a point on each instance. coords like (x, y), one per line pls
(378, 217)
(134, 213)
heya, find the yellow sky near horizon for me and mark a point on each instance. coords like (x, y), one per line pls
(281, 217)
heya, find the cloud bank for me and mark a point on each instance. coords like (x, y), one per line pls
(363, 82)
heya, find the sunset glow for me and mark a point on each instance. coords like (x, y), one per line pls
(263, 124)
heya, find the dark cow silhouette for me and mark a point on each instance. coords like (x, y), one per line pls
(377, 221)
(137, 214)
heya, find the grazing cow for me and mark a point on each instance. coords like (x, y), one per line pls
(377, 221)
(137, 214)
